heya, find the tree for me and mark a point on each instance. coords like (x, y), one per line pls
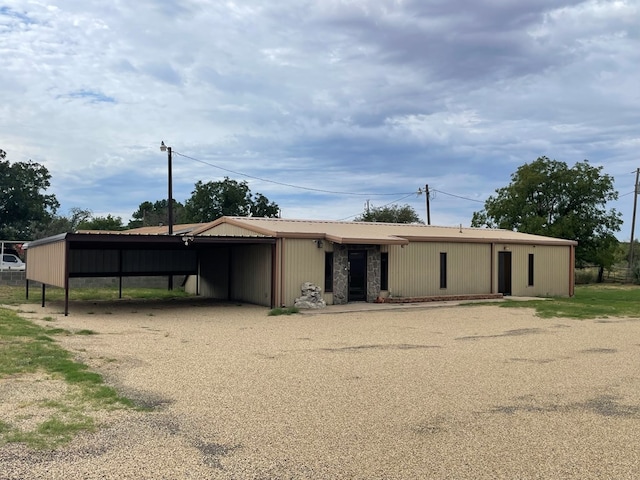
(102, 223)
(153, 214)
(390, 214)
(546, 197)
(262, 207)
(23, 205)
(213, 200)
(59, 224)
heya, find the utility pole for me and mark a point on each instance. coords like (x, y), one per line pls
(633, 219)
(426, 191)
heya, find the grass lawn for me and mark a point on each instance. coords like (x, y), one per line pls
(30, 356)
(11, 295)
(590, 301)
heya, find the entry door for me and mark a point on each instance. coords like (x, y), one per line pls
(504, 273)
(357, 275)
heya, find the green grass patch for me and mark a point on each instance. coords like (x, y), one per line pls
(26, 348)
(283, 311)
(52, 432)
(590, 301)
(13, 295)
(86, 332)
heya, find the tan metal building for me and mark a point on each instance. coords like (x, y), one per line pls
(362, 261)
(266, 260)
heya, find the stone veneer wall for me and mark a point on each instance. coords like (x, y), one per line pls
(341, 272)
(340, 275)
(374, 263)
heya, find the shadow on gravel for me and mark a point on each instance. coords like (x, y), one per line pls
(509, 333)
(599, 350)
(212, 452)
(399, 346)
(604, 405)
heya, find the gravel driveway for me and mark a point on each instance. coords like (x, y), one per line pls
(443, 392)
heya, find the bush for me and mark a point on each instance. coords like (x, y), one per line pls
(284, 311)
(585, 276)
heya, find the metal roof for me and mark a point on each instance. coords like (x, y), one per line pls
(375, 233)
(370, 233)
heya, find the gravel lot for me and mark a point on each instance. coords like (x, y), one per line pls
(436, 392)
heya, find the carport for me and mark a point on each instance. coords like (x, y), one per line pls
(54, 260)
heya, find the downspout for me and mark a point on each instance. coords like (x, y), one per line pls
(274, 265)
(120, 273)
(282, 272)
(67, 259)
(492, 273)
(572, 270)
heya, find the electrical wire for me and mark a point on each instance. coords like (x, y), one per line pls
(457, 196)
(319, 190)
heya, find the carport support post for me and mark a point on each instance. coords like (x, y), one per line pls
(170, 206)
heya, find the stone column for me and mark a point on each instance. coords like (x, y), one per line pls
(340, 275)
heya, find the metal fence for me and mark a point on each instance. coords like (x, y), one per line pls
(616, 274)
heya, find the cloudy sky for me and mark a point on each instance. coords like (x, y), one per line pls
(321, 104)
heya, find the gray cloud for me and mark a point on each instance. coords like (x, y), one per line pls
(359, 96)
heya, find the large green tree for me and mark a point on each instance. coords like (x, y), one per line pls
(62, 224)
(547, 197)
(151, 214)
(228, 197)
(24, 207)
(102, 223)
(390, 214)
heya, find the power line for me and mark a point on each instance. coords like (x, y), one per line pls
(319, 190)
(457, 196)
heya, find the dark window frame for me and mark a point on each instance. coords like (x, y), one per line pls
(531, 270)
(443, 270)
(328, 272)
(384, 271)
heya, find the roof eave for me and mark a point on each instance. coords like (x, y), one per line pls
(367, 241)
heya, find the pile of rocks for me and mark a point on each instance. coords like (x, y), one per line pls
(311, 297)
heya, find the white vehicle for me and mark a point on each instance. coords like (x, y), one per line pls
(11, 262)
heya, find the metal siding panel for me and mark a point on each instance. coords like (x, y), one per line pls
(93, 261)
(551, 270)
(46, 263)
(158, 260)
(251, 274)
(303, 262)
(414, 270)
(214, 273)
(469, 268)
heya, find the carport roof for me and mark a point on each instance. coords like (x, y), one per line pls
(372, 232)
(367, 233)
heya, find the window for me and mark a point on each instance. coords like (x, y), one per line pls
(531, 269)
(384, 271)
(328, 271)
(443, 270)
